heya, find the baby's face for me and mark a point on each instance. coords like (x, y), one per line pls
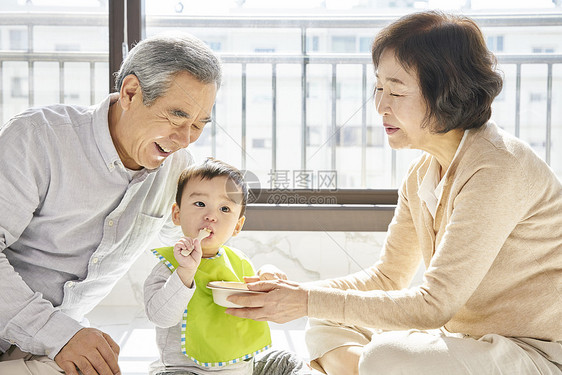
(210, 204)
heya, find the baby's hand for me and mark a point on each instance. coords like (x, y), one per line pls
(267, 272)
(188, 253)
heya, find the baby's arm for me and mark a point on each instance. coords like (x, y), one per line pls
(165, 296)
(188, 253)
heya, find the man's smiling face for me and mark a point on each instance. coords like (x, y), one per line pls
(146, 135)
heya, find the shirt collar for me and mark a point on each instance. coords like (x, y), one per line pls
(431, 186)
(101, 133)
(426, 190)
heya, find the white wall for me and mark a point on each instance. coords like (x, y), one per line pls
(304, 256)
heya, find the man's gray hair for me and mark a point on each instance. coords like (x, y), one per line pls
(156, 60)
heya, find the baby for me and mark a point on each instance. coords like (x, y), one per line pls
(194, 335)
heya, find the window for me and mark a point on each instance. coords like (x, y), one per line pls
(261, 143)
(56, 36)
(543, 50)
(495, 43)
(338, 91)
(332, 41)
(365, 44)
(215, 46)
(343, 44)
(18, 87)
(314, 135)
(264, 50)
(536, 97)
(501, 96)
(304, 82)
(67, 47)
(313, 43)
(352, 136)
(18, 40)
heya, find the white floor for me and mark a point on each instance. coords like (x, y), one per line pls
(130, 328)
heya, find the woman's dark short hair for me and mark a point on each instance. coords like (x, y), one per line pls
(456, 71)
(237, 189)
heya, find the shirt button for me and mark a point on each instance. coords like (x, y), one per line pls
(70, 284)
(110, 223)
(95, 260)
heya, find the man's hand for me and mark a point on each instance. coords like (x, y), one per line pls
(91, 351)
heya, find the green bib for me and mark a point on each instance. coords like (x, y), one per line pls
(209, 336)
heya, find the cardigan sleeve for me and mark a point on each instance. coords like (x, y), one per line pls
(483, 213)
(395, 270)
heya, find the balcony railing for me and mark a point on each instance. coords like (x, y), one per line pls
(374, 210)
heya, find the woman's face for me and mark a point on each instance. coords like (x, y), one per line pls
(399, 101)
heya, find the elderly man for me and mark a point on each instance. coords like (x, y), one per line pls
(82, 192)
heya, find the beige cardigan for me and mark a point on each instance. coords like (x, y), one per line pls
(493, 254)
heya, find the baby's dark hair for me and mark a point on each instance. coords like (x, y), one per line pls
(210, 169)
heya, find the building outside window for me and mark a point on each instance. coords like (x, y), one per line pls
(323, 110)
(495, 43)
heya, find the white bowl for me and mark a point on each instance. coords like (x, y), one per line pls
(222, 289)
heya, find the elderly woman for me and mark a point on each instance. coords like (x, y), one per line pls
(478, 207)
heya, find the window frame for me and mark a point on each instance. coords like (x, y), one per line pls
(354, 210)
